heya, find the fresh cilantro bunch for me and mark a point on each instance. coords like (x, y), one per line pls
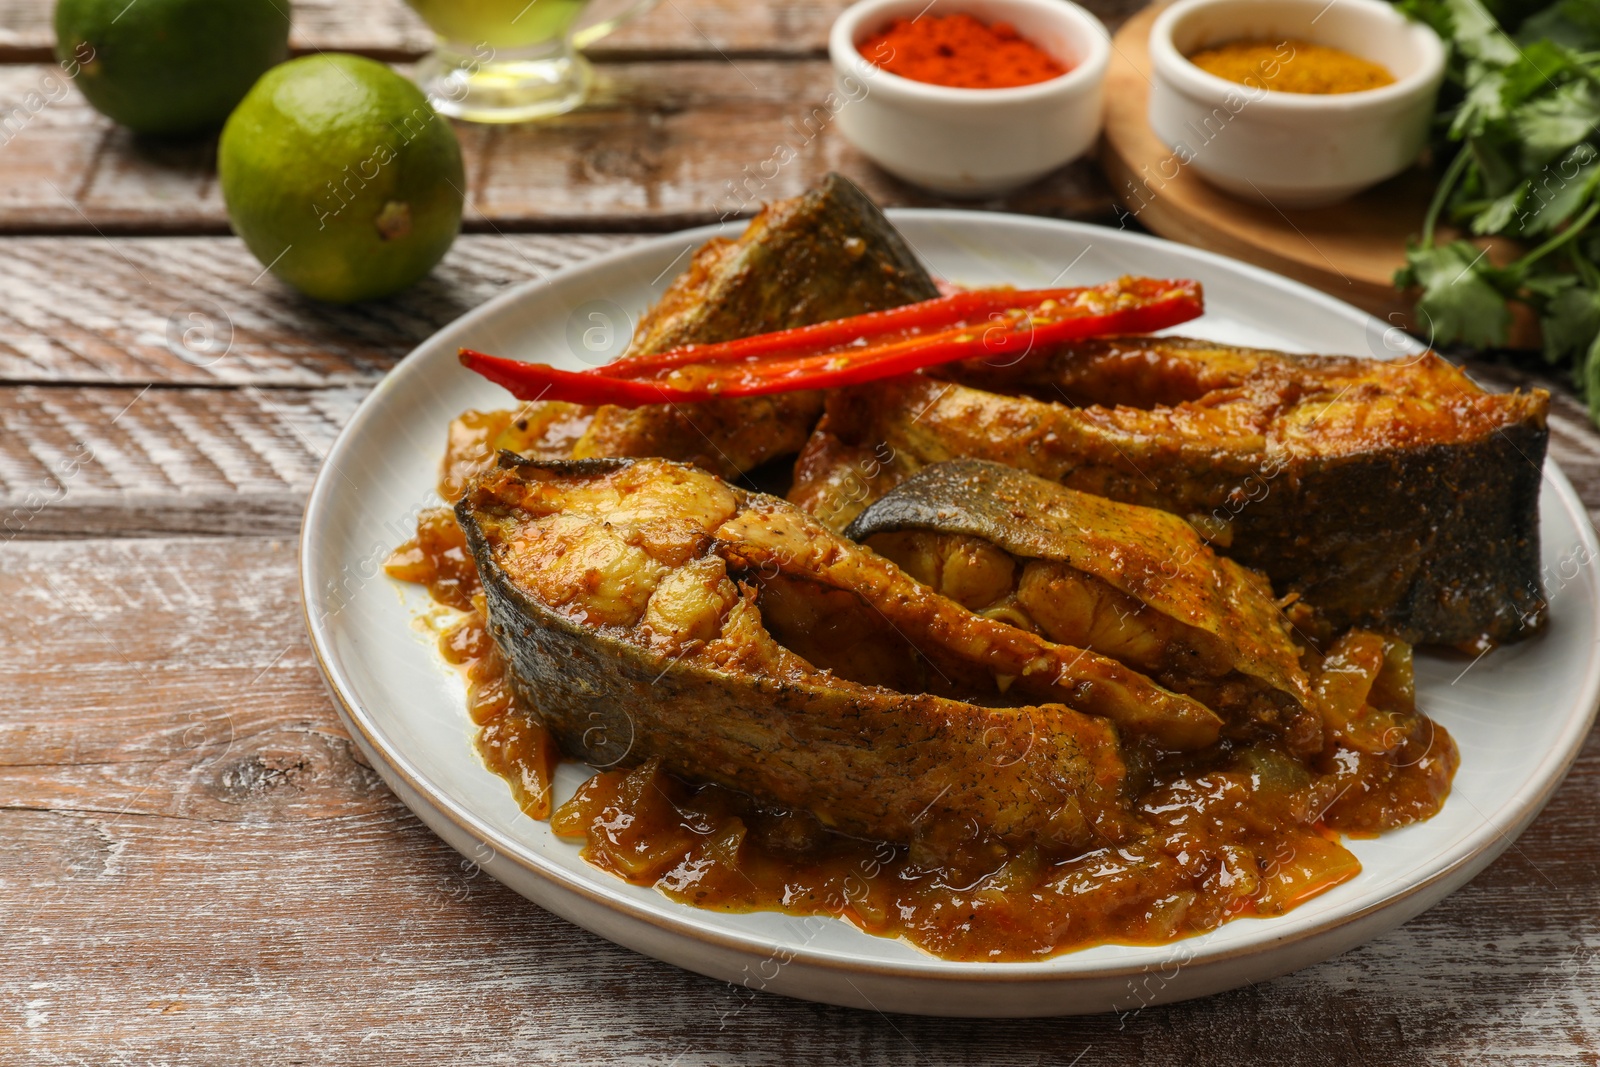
(1522, 100)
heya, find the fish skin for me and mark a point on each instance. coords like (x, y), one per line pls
(1432, 539)
(1153, 557)
(826, 254)
(829, 253)
(732, 705)
(769, 535)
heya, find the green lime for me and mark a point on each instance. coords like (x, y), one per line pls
(341, 178)
(170, 66)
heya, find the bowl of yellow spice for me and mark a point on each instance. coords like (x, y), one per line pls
(1295, 102)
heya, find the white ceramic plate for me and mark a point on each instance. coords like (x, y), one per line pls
(1519, 714)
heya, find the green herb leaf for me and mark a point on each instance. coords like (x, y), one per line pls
(1500, 213)
(1457, 301)
(1497, 172)
(1584, 15)
(1570, 323)
(1477, 34)
(1559, 191)
(1484, 103)
(1527, 119)
(1557, 121)
(1539, 67)
(1574, 24)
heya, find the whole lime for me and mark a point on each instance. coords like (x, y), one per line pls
(170, 66)
(341, 178)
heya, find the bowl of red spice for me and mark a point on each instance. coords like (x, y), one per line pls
(1295, 102)
(971, 101)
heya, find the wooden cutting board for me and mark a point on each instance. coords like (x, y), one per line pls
(1349, 250)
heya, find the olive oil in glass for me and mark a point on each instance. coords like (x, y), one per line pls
(512, 60)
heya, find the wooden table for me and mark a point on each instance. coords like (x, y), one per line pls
(195, 862)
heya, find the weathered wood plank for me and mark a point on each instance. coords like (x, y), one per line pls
(662, 145)
(390, 30)
(193, 856)
(133, 311)
(85, 461)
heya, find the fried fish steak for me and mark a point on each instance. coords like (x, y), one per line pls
(648, 609)
(827, 254)
(1394, 496)
(1134, 583)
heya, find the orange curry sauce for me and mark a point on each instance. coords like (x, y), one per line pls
(1245, 832)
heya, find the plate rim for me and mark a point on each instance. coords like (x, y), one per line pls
(1485, 843)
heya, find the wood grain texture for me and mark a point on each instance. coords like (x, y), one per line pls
(215, 399)
(194, 861)
(85, 461)
(660, 146)
(390, 30)
(136, 311)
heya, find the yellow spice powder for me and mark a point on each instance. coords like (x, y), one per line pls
(1291, 67)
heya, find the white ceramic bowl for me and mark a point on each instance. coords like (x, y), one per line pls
(972, 142)
(1292, 149)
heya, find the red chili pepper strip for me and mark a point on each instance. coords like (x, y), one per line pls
(1133, 305)
(908, 320)
(1014, 338)
(538, 381)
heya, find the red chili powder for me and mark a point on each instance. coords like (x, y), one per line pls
(960, 51)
